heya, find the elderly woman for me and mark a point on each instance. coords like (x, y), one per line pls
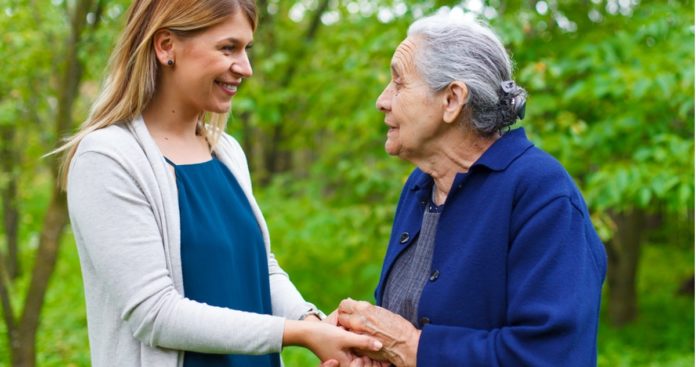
(493, 260)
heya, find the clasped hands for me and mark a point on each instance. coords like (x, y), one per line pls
(396, 337)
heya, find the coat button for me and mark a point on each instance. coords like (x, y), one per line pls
(423, 202)
(404, 237)
(434, 275)
(424, 320)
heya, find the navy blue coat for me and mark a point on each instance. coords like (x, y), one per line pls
(517, 269)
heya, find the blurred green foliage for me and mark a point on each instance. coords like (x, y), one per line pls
(611, 87)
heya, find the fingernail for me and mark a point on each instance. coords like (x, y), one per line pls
(376, 345)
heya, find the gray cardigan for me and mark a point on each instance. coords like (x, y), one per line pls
(124, 211)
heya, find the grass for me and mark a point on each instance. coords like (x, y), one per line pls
(663, 334)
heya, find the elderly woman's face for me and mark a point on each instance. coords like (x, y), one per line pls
(412, 111)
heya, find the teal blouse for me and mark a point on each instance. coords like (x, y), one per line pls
(223, 258)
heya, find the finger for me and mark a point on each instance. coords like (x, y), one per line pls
(367, 362)
(357, 362)
(358, 307)
(376, 363)
(353, 322)
(363, 342)
(330, 363)
(332, 318)
(345, 320)
(351, 306)
(346, 306)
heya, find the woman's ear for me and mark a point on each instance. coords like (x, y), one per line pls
(456, 95)
(163, 41)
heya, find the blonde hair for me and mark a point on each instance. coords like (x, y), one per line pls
(132, 72)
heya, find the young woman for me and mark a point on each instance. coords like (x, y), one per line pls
(174, 250)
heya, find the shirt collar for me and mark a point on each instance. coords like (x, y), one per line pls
(497, 157)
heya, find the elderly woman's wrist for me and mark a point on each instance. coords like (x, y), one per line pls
(413, 347)
(407, 354)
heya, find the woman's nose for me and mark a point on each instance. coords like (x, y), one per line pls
(384, 100)
(242, 66)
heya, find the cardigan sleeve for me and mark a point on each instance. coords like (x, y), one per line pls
(554, 276)
(123, 259)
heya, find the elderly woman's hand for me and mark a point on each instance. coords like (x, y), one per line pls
(398, 336)
(362, 360)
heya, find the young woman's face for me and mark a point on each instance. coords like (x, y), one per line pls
(210, 65)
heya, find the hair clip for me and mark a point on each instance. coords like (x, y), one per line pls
(519, 98)
(508, 86)
(520, 104)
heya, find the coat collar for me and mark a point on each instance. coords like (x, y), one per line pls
(505, 150)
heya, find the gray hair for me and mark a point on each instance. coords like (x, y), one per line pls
(460, 49)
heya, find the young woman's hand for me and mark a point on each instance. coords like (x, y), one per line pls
(357, 362)
(328, 342)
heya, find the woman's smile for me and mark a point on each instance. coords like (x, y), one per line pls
(228, 87)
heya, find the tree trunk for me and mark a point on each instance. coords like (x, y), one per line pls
(278, 158)
(10, 211)
(23, 338)
(624, 255)
(24, 349)
(7, 310)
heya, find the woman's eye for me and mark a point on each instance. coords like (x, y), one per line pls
(228, 48)
(398, 87)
